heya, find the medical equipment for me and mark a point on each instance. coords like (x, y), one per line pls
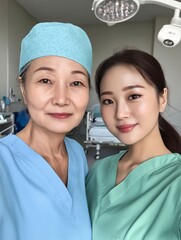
(97, 134)
(6, 124)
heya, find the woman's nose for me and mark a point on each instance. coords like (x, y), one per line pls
(123, 110)
(61, 95)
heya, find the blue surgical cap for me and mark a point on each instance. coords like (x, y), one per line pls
(56, 39)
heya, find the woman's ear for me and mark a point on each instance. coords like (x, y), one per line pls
(163, 99)
(22, 89)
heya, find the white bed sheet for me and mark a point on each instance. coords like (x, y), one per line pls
(101, 133)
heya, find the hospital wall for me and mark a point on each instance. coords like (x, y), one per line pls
(15, 22)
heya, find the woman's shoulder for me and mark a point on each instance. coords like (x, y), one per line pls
(8, 146)
(172, 157)
(8, 140)
(176, 157)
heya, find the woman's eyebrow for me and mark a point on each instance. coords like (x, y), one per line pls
(80, 72)
(124, 89)
(132, 87)
(44, 68)
(106, 93)
(52, 70)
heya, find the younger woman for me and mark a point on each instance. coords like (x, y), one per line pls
(135, 194)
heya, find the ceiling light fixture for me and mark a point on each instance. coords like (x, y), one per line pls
(116, 11)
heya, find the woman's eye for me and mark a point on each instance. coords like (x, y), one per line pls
(107, 101)
(134, 96)
(76, 83)
(45, 81)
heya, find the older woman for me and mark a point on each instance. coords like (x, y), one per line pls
(42, 172)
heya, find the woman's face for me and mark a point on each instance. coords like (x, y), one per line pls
(129, 105)
(56, 92)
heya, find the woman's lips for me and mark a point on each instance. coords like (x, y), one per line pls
(126, 128)
(60, 115)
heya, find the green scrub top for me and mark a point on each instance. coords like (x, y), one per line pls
(145, 206)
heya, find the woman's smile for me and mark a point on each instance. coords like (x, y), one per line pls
(126, 128)
(63, 115)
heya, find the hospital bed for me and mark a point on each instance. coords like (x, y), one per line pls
(97, 134)
(6, 123)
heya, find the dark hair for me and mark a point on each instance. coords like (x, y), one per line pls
(22, 77)
(152, 72)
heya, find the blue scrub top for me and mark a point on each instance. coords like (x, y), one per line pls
(145, 205)
(34, 202)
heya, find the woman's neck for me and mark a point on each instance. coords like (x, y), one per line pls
(50, 146)
(137, 154)
(147, 149)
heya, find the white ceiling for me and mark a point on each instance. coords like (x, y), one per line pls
(79, 11)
